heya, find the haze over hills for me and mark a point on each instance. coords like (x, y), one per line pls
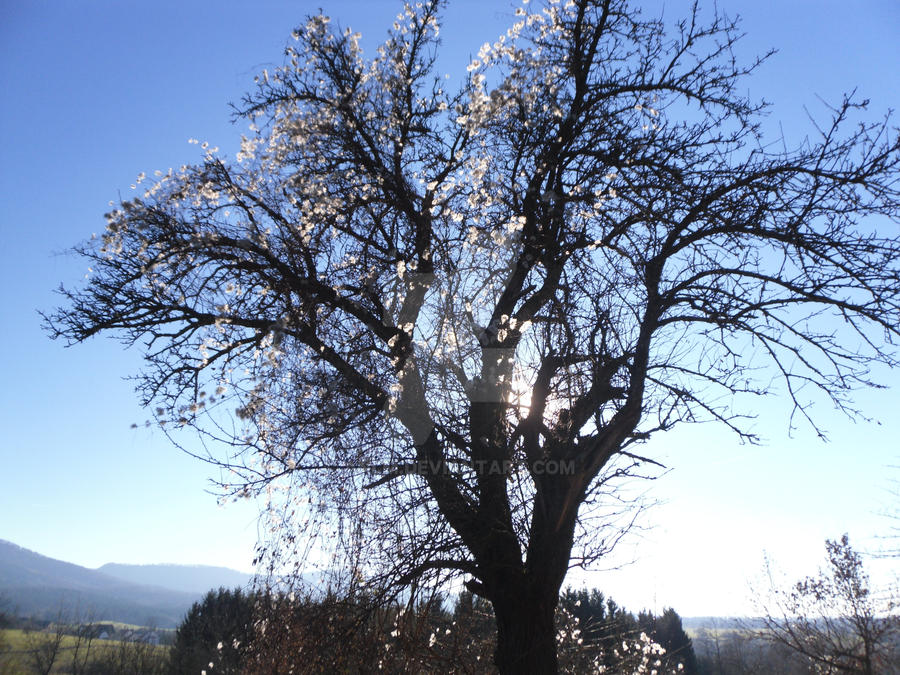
(35, 585)
(196, 579)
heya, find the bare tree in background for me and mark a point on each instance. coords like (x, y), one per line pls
(443, 321)
(130, 656)
(836, 621)
(83, 650)
(45, 646)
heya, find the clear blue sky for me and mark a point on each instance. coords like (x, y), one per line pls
(95, 92)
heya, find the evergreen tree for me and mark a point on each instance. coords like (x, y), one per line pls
(217, 630)
(667, 631)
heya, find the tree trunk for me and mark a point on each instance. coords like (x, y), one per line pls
(526, 632)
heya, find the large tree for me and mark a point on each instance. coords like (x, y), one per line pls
(446, 319)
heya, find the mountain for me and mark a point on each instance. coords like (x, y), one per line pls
(35, 585)
(196, 579)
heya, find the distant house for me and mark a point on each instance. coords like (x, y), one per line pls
(103, 631)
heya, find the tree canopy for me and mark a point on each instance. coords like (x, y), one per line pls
(445, 319)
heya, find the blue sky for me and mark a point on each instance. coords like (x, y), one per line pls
(96, 92)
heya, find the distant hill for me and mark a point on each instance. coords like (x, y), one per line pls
(35, 585)
(696, 623)
(196, 579)
(21, 568)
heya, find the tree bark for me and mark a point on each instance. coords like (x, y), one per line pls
(526, 631)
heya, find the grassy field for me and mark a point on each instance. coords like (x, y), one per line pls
(16, 645)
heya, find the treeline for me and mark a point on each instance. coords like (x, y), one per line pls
(252, 632)
(745, 651)
(730, 650)
(256, 633)
(235, 631)
(240, 632)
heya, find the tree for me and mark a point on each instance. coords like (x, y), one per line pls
(737, 651)
(474, 634)
(446, 321)
(44, 647)
(667, 631)
(603, 623)
(217, 630)
(352, 634)
(835, 620)
(604, 626)
(130, 656)
(83, 632)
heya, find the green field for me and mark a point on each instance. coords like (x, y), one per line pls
(16, 646)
